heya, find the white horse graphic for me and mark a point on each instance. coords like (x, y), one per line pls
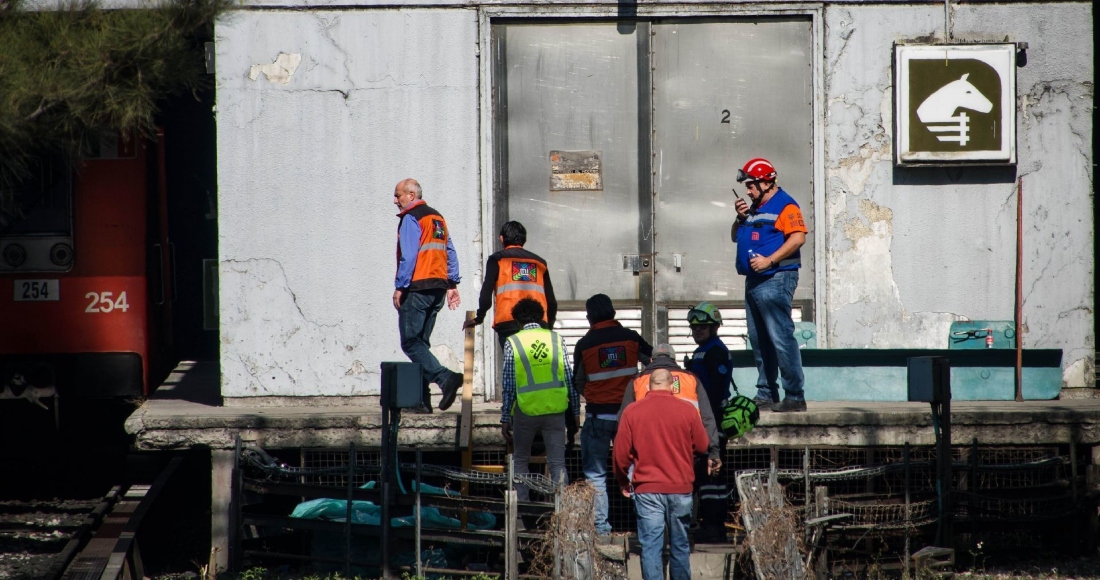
(939, 108)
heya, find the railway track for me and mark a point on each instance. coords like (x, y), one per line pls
(35, 533)
(70, 539)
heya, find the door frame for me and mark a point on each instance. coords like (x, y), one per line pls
(490, 165)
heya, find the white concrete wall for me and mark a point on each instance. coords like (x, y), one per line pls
(308, 161)
(307, 164)
(909, 251)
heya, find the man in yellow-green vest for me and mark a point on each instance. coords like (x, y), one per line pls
(538, 393)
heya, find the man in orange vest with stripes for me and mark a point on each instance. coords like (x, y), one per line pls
(511, 275)
(604, 361)
(427, 275)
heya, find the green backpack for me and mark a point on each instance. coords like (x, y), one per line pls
(739, 413)
(739, 416)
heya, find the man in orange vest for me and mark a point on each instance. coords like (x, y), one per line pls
(604, 361)
(511, 275)
(427, 275)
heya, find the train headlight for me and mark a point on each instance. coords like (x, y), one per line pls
(15, 255)
(61, 254)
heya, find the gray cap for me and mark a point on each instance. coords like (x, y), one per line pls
(665, 349)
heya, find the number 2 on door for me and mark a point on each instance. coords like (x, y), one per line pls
(105, 302)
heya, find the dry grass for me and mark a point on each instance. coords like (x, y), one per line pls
(571, 532)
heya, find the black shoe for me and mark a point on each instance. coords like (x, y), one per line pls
(450, 389)
(764, 404)
(421, 409)
(791, 406)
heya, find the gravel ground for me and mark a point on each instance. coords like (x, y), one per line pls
(1044, 568)
(33, 533)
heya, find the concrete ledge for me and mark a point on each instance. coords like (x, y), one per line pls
(1079, 393)
(181, 416)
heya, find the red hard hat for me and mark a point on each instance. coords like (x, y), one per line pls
(758, 169)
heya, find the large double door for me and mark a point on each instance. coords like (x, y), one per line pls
(617, 146)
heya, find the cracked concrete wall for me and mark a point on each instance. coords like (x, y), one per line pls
(319, 115)
(321, 112)
(911, 250)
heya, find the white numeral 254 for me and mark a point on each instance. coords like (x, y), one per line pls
(102, 302)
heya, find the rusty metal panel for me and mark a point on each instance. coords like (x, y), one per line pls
(571, 89)
(723, 93)
(571, 170)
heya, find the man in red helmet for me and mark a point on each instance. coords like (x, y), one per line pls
(768, 235)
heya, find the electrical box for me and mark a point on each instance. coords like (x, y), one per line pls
(929, 379)
(402, 383)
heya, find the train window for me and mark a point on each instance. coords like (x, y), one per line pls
(36, 219)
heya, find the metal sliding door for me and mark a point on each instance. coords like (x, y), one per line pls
(569, 95)
(724, 93)
(617, 149)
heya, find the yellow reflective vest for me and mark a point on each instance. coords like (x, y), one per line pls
(540, 372)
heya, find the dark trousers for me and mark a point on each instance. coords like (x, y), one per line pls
(415, 322)
(713, 494)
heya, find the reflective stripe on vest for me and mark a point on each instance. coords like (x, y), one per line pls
(540, 375)
(521, 287)
(627, 372)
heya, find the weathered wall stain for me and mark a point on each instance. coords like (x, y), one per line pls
(279, 71)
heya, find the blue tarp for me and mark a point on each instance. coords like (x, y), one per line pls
(366, 549)
(369, 513)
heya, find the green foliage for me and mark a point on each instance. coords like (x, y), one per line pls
(71, 74)
(256, 573)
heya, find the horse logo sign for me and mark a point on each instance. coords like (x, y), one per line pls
(937, 112)
(955, 104)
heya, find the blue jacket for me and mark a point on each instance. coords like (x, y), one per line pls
(711, 363)
(760, 235)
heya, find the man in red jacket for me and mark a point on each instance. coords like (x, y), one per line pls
(659, 436)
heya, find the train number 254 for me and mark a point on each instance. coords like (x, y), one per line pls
(105, 302)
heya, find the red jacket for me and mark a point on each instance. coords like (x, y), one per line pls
(659, 435)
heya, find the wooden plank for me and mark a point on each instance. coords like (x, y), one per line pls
(467, 421)
(511, 544)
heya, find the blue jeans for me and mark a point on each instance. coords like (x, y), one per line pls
(771, 331)
(655, 511)
(596, 437)
(415, 322)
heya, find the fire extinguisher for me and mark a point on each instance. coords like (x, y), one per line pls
(989, 338)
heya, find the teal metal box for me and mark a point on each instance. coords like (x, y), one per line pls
(401, 384)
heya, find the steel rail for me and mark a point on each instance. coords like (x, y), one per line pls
(112, 551)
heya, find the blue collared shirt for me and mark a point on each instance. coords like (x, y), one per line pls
(508, 392)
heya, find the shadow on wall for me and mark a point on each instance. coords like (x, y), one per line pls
(954, 175)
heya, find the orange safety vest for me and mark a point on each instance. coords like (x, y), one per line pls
(684, 386)
(431, 259)
(609, 368)
(519, 278)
